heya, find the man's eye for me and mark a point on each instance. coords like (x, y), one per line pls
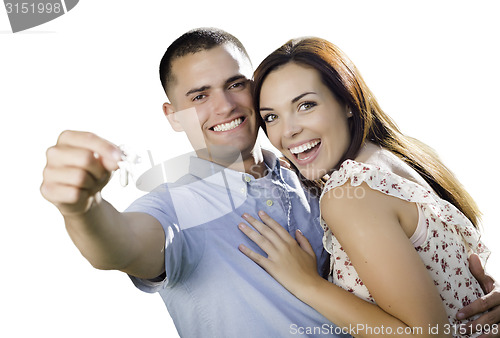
(270, 118)
(236, 85)
(199, 97)
(307, 105)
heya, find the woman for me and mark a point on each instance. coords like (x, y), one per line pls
(398, 225)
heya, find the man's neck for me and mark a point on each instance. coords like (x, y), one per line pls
(254, 163)
(251, 163)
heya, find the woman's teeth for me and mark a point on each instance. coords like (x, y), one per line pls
(304, 147)
(228, 126)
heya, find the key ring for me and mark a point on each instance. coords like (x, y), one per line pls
(127, 164)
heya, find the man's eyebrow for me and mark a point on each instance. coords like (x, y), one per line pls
(236, 77)
(203, 88)
(197, 90)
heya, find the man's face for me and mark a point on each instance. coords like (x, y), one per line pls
(216, 84)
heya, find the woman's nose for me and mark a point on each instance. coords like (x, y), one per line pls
(291, 127)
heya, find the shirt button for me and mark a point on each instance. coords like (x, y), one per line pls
(247, 179)
(243, 190)
(269, 203)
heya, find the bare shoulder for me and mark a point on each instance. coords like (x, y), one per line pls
(354, 202)
(359, 206)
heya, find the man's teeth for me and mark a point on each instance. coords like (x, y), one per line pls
(228, 126)
(304, 147)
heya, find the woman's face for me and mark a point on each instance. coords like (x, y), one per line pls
(304, 120)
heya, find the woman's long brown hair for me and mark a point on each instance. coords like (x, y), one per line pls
(369, 122)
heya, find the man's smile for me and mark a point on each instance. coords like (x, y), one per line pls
(228, 125)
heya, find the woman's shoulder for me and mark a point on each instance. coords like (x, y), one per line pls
(355, 186)
(350, 196)
(374, 161)
(385, 160)
(360, 193)
(357, 206)
(380, 173)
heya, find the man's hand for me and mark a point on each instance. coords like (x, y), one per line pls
(78, 167)
(488, 305)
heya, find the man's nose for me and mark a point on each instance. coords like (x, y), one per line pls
(224, 103)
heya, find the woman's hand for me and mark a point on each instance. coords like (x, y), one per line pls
(291, 262)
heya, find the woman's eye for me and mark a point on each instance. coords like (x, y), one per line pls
(270, 118)
(307, 105)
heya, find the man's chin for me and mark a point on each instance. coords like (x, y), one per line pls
(222, 154)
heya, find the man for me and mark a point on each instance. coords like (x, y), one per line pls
(181, 240)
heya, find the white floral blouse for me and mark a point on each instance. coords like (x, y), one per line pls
(448, 237)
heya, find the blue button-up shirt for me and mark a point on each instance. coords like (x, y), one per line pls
(211, 289)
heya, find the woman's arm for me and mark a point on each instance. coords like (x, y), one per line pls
(382, 254)
(370, 231)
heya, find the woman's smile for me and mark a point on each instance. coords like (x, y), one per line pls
(306, 152)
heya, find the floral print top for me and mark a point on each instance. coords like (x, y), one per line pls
(450, 236)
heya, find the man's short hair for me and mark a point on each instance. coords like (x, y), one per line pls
(192, 42)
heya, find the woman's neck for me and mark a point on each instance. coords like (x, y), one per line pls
(369, 152)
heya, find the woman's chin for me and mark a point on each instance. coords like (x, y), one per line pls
(313, 174)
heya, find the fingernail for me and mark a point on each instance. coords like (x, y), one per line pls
(300, 232)
(461, 315)
(245, 215)
(242, 225)
(262, 213)
(117, 155)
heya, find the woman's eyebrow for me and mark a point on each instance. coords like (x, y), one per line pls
(301, 96)
(292, 101)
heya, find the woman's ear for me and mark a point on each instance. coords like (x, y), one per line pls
(348, 111)
(169, 112)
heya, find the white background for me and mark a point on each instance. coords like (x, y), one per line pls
(433, 65)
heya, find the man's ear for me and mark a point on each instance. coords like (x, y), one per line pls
(169, 112)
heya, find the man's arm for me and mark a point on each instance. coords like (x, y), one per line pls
(77, 169)
(488, 305)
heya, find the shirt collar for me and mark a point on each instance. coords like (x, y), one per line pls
(228, 178)
(272, 162)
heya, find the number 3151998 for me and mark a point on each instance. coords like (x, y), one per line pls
(462, 329)
(32, 8)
